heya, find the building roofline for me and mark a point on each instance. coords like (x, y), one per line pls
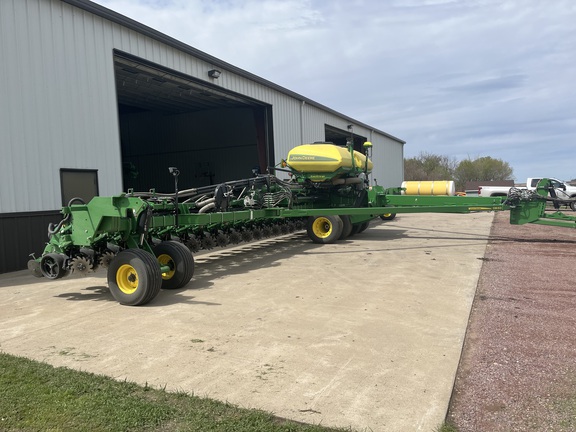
(127, 22)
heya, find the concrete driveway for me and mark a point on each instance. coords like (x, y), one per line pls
(365, 333)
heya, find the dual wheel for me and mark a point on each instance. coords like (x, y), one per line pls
(388, 216)
(329, 229)
(135, 276)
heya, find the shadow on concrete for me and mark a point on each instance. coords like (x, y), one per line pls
(102, 293)
(245, 258)
(211, 265)
(93, 293)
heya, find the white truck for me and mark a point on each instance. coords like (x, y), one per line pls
(563, 189)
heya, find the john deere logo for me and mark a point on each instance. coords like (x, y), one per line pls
(311, 158)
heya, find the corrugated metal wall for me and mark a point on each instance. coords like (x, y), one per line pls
(58, 105)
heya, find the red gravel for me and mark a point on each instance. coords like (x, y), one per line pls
(518, 368)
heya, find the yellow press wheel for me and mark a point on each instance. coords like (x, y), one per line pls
(134, 277)
(324, 229)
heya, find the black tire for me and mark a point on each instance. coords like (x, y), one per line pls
(179, 259)
(363, 226)
(52, 266)
(346, 227)
(573, 205)
(324, 229)
(388, 216)
(355, 229)
(134, 277)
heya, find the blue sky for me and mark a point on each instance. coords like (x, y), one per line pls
(458, 78)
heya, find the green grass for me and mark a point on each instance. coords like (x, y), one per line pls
(447, 427)
(564, 409)
(38, 397)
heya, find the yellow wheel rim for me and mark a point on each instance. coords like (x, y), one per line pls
(322, 227)
(387, 214)
(165, 260)
(127, 279)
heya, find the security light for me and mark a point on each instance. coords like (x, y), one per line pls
(214, 73)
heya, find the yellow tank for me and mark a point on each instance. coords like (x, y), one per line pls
(437, 187)
(325, 158)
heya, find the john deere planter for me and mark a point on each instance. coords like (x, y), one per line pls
(145, 240)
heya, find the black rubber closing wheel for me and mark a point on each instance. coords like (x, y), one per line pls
(134, 277)
(324, 229)
(176, 256)
(388, 216)
(346, 227)
(52, 266)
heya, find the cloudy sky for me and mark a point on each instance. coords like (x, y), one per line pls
(458, 78)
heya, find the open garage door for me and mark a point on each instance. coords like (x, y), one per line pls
(340, 137)
(170, 119)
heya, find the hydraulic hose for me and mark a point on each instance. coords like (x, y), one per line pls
(54, 229)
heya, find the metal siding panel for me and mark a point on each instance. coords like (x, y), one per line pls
(287, 125)
(388, 158)
(9, 105)
(92, 104)
(63, 114)
(22, 104)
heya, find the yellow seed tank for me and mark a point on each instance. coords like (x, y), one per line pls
(326, 159)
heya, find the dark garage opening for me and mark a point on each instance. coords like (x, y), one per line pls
(340, 137)
(168, 119)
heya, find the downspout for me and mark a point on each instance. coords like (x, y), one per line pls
(302, 122)
(370, 176)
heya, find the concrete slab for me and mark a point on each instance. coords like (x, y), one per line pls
(365, 333)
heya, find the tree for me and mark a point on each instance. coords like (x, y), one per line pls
(481, 169)
(427, 166)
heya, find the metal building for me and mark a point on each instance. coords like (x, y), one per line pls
(94, 103)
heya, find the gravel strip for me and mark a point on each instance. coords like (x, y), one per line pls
(518, 368)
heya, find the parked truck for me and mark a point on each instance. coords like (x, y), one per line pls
(563, 189)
